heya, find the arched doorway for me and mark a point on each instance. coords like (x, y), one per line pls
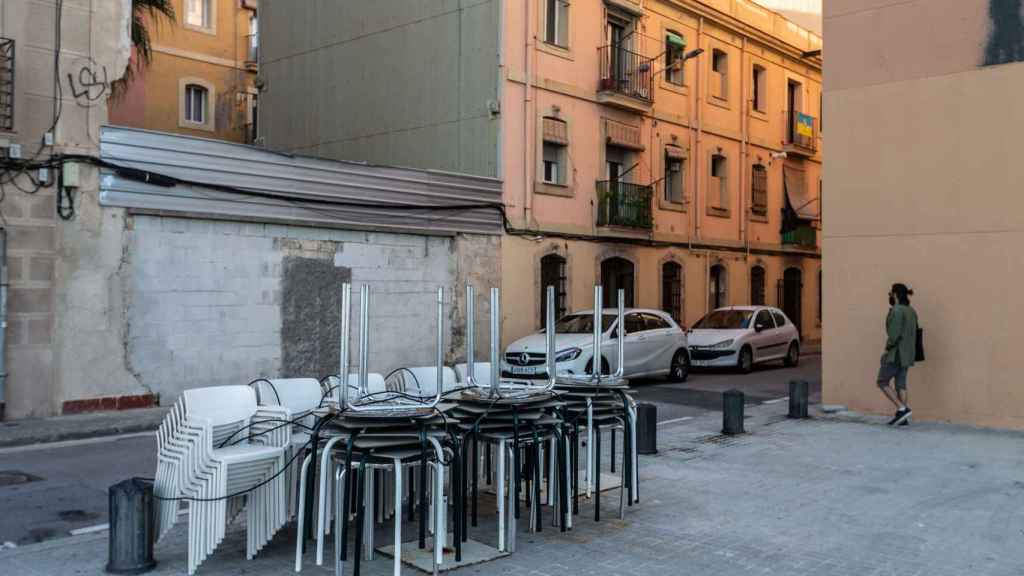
(617, 273)
(791, 293)
(757, 286)
(552, 273)
(672, 290)
(718, 284)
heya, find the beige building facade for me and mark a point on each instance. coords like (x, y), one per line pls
(650, 147)
(923, 98)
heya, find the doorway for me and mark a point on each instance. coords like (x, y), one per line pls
(617, 273)
(791, 293)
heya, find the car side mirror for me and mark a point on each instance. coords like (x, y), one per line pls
(760, 327)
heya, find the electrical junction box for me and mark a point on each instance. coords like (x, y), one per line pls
(70, 174)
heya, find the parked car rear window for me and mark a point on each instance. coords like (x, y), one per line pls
(780, 319)
(725, 320)
(764, 317)
(634, 324)
(582, 324)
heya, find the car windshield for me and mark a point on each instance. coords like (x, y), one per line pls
(725, 320)
(582, 324)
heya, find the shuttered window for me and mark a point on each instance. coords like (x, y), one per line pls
(759, 190)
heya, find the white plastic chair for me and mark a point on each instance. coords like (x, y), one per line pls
(214, 443)
(481, 374)
(422, 380)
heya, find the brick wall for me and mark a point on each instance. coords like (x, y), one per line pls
(213, 303)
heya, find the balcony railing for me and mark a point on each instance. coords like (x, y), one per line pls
(804, 236)
(623, 204)
(801, 131)
(252, 55)
(625, 72)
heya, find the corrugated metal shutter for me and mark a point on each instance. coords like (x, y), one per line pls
(291, 189)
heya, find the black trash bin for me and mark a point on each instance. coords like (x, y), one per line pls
(732, 412)
(646, 428)
(132, 527)
(798, 391)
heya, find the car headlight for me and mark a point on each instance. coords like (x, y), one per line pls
(723, 344)
(568, 354)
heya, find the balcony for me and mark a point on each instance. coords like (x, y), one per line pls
(626, 79)
(624, 204)
(252, 54)
(803, 236)
(801, 133)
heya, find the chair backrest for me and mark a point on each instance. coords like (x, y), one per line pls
(223, 406)
(298, 395)
(422, 380)
(374, 384)
(481, 373)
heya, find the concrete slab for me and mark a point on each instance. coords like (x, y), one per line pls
(473, 552)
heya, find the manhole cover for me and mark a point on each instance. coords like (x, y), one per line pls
(14, 477)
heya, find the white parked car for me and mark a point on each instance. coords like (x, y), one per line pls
(655, 346)
(742, 336)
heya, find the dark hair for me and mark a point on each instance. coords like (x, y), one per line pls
(902, 292)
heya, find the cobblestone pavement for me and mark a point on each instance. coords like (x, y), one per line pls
(823, 497)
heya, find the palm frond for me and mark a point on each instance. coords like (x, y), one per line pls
(143, 12)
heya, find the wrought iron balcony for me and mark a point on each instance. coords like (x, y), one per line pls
(801, 133)
(623, 204)
(625, 73)
(803, 236)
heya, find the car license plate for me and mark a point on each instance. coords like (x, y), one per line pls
(700, 363)
(523, 370)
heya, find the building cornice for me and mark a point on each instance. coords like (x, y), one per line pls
(200, 57)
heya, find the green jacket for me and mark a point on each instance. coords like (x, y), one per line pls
(901, 332)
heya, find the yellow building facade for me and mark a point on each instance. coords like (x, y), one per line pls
(201, 80)
(668, 147)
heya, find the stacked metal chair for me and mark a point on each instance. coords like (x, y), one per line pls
(220, 452)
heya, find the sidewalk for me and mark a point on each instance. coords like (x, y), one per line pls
(830, 496)
(79, 426)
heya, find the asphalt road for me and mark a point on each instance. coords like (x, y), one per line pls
(67, 487)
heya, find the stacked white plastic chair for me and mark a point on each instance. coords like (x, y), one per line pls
(221, 453)
(300, 396)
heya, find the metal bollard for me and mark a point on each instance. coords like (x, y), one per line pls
(732, 412)
(132, 527)
(646, 428)
(798, 390)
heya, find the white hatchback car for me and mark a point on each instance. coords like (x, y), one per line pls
(655, 346)
(742, 336)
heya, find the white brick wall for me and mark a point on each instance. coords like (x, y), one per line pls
(204, 297)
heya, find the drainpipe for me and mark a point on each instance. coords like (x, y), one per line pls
(744, 148)
(698, 170)
(499, 90)
(527, 157)
(3, 321)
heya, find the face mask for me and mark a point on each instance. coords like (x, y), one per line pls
(892, 300)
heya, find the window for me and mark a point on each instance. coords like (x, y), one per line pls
(780, 319)
(196, 103)
(760, 90)
(718, 190)
(655, 322)
(764, 318)
(757, 286)
(672, 290)
(718, 287)
(634, 323)
(6, 84)
(556, 22)
(197, 13)
(555, 151)
(719, 85)
(552, 273)
(675, 46)
(759, 190)
(675, 174)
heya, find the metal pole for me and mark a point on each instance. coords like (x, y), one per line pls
(440, 340)
(595, 363)
(346, 328)
(470, 337)
(3, 320)
(364, 337)
(622, 333)
(495, 339)
(549, 330)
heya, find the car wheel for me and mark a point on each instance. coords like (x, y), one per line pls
(605, 368)
(793, 355)
(746, 360)
(680, 368)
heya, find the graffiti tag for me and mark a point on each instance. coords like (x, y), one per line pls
(88, 81)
